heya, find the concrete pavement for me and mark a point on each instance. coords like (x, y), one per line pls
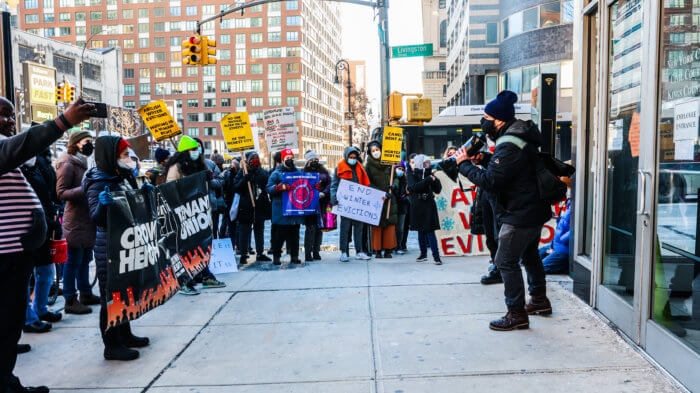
(380, 326)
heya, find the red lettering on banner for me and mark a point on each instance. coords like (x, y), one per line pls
(457, 196)
(468, 248)
(473, 189)
(550, 235)
(446, 247)
(465, 221)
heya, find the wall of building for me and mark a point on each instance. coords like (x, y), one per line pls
(435, 31)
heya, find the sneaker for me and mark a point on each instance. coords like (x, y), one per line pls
(379, 255)
(212, 282)
(73, 306)
(13, 385)
(344, 257)
(260, 257)
(51, 316)
(37, 327)
(400, 252)
(23, 348)
(437, 261)
(362, 256)
(422, 258)
(493, 277)
(277, 260)
(308, 258)
(387, 254)
(317, 256)
(89, 299)
(189, 291)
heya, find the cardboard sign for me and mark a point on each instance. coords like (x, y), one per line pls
(359, 203)
(454, 204)
(281, 129)
(223, 259)
(159, 121)
(391, 145)
(238, 133)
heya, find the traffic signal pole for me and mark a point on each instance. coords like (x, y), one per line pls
(7, 83)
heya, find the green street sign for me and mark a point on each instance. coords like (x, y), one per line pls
(412, 51)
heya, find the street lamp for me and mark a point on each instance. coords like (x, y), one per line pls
(341, 65)
(82, 54)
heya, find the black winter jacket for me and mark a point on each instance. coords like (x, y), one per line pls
(510, 179)
(257, 177)
(422, 189)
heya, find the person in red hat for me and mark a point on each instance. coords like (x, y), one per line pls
(287, 226)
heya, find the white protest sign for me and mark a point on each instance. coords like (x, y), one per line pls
(223, 258)
(256, 136)
(359, 203)
(281, 129)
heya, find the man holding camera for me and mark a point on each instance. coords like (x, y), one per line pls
(510, 180)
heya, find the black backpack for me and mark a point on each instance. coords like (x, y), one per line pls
(548, 169)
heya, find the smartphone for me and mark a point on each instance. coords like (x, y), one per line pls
(101, 109)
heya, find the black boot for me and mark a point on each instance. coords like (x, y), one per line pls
(387, 254)
(115, 349)
(128, 338)
(308, 258)
(492, 277)
(317, 256)
(538, 304)
(243, 260)
(261, 257)
(379, 255)
(512, 320)
(276, 260)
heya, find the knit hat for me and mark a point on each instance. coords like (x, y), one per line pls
(161, 154)
(250, 154)
(310, 155)
(187, 143)
(286, 153)
(501, 107)
(77, 136)
(122, 145)
(373, 143)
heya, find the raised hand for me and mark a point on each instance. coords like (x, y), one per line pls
(105, 197)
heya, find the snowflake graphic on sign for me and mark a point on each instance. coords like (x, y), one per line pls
(441, 203)
(447, 224)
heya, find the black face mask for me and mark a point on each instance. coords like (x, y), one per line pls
(87, 149)
(314, 165)
(489, 127)
(289, 163)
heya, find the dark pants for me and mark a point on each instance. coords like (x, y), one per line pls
(274, 241)
(258, 227)
(77, 269)
(215, 224)
(491, 226)
(348, 228)
(515, 244)
(426, 239)
(399, 230)
(313, 237)
(406, 226)
(15, 270)
(288, 234)
(111, 336)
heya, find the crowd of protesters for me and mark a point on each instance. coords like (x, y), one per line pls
(45, 200)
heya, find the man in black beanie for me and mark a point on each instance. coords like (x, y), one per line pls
(509, 178)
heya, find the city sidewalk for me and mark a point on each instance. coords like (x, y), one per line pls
(379, 326)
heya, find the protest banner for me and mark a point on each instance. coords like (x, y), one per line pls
(454, 204)
(159, 121)
(391, 145)
(156, 242)
(238, 134)
(302, 197)
(359, 203)
(281, 129)
(223, 258)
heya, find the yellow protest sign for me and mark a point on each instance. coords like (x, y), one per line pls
(238, 134)
(159, 121)
(391, 145)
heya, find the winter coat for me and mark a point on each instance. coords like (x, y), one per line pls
(402, 195)
(379, 177)
(422, 189)
(257, 177)
(28, 230)
(78, 228)
(157, 175)
(510, 178)
(215, 186)
(276, 196)
(355, 174)
(94, 182)
(324, 180)
(42, 178)
(561, 235)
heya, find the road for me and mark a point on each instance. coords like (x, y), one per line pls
(379, 326)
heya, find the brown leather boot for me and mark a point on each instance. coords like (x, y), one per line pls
(73, 306)
(539, 304)
(512, 320)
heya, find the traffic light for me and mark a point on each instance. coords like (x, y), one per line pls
(419, 109)
(70, 93)
(395, 106)
(208, 54)
(192, 54)
(60, 92)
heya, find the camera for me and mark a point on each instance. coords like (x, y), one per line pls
(475, 144)
(101, 109)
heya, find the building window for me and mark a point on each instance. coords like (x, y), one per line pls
(160, 72)
(31, 4)
(192, 71)
(129, 89)
(192, 87)
(208, 117)
(225, 54)
(274, 52)
(491, 33)
(95, 15)
(294, 52)
(193, 117)
(273, 7)
(191, 10)
(64, 17)
(530, 19)
(176, 72)
(443, 34)
(292, 101)
(128, 58)
(550, 14)
(209, 131)
(209, 70)
(274, 68)
(209, 87)
(224, 39)
(92, 71)
(274, 85)
(144, 43)
(128, 72)
(145, 88)
(143, 13)
(128, 14)
(292, 36)
(159, 42)
(256, 69)
(274, 21)
(49, 18)
(193, 103)
(209, 102)
(274, 36)
(294, 20)
(255, 22)
(175, 87)
(225, 102)
(240, 69)
(293, 84)
(225, 86)
(257, 53)
(193, 131)
(31, 18)
(158, 12)
(175, 11)
(529, 73)
(225, 70)
(257, 101)
(160, 57)
(293, 68)
(274, 101)
(256, 85)
(490, 87)
(130, 104)
(159, 27)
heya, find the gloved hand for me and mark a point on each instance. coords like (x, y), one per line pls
(148, 187)
(321, 195)
(281, 187)
(105, 197)
(387, 195)
(318, 186)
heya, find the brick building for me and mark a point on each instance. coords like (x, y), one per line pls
(278, 54)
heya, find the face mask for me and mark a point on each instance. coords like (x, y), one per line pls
(399, 173)
(87, 149)
(255, 162)
(489, 127)
(127, 163)
(352, 161)
(136, 172)
(289, 163)
(194, 155)
(376, 154)
(30, 162)
(314, 165)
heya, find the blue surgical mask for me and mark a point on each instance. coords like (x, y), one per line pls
(194, 155)
(352, 161)
(399, 173)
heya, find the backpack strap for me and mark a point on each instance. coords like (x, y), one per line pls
(511, 139)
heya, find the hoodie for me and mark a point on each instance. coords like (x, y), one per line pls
(510, 179)
(355, 174)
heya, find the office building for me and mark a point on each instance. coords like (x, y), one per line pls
(434, 67)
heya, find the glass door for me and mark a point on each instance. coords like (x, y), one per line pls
(621, 166)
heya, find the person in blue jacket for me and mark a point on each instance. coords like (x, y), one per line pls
(555, 257)
(287, 226)
(114, 171)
